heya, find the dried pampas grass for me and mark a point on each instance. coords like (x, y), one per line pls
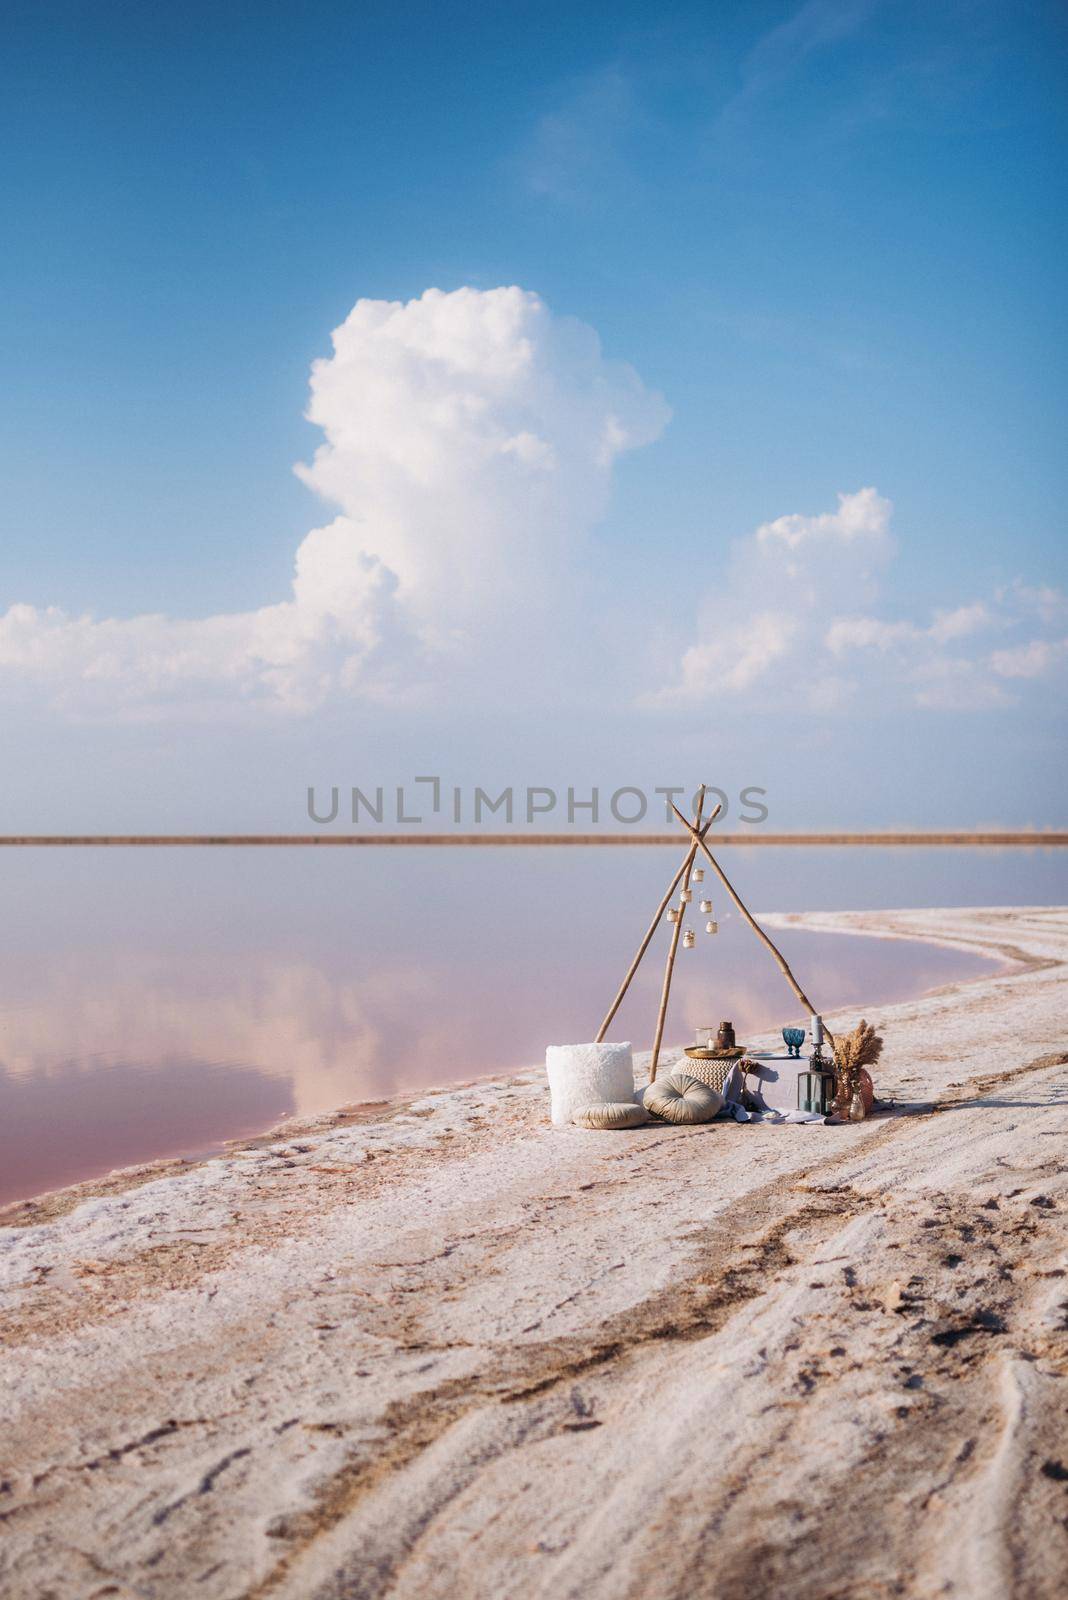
(854, 1053)
(861, 1048)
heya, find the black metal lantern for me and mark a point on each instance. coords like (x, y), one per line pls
(816, 1087)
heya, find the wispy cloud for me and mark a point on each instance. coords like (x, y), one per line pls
(814, 82)
(575, 152)
(778, 55)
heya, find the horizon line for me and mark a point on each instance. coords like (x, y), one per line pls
(985, 837)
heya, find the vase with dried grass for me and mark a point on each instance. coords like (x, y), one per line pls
(854, 1053)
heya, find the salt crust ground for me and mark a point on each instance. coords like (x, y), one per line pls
(436, 1348)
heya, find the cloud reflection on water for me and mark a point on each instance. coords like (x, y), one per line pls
(156, 1003)
(169, 1005)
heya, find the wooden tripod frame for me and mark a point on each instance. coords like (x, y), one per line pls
(697, 843)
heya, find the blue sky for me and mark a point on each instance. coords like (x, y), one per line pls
(830, 236)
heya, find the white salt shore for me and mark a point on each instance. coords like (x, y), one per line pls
(437, 1348)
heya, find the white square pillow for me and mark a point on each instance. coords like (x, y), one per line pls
(587, 1074)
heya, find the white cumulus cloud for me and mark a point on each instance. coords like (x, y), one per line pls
(796, 621)
(862, 521)
(1035, 659)
(469, 441)
(782, 587)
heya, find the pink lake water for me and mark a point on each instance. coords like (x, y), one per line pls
(156, 1004)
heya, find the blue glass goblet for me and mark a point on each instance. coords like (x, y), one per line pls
(793, 1038)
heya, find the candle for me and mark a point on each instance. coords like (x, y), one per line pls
(817, 1029)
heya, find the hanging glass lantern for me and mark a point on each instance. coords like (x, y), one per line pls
(688, 939)
(706, 906)
(674, 914)
(686, 896)
(698, 874)
(711, 927)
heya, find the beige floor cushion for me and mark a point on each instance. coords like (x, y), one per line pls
(680, 1098)
(611, 1114)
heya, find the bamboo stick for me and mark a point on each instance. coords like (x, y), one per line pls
(676, 931)
(685, 865)
(757, 929)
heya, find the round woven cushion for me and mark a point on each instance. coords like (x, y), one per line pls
(613, 1114)
(680, 1098)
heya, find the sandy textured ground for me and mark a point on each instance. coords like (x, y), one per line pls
(437, 1349)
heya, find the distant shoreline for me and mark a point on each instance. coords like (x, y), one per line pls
(998, 840)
